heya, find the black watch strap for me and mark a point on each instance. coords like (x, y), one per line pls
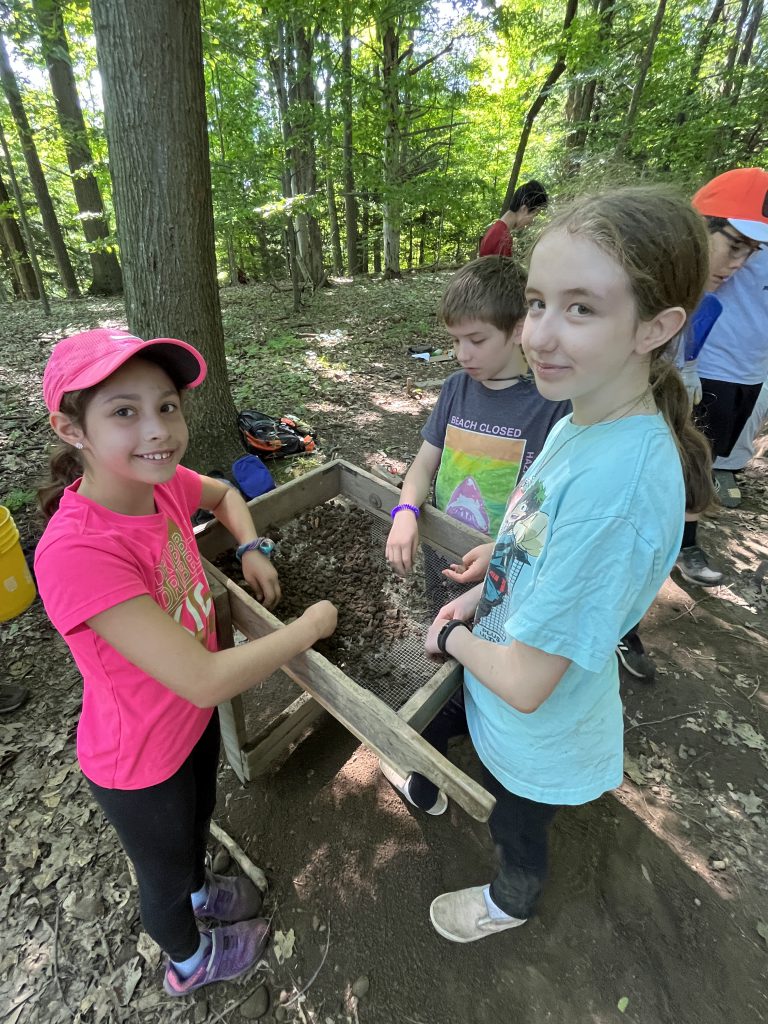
(446, 631)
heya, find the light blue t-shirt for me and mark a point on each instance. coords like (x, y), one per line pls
(589, 536)
(737, 347)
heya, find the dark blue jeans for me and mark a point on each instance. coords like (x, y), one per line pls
(519, 827)
(164, 831)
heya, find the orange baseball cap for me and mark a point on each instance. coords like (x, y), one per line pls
(741, 197)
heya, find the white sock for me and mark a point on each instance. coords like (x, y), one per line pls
(493, 911)
(187, 967)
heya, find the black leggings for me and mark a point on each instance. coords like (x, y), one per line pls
(164, 831)
(519, 827)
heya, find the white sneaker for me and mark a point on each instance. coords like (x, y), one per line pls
(402, 786)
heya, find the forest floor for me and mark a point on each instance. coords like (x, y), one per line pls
(656, 911)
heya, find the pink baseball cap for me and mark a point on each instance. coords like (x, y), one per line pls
(83, 360)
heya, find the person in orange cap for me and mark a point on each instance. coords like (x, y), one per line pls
(725, 375)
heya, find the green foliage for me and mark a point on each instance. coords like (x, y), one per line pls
(16, 500)
(465, 77)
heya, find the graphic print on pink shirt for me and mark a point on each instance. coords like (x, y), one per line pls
(188, 603)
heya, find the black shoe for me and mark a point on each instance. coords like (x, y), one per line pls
(632, 656)
(12, 697)
(693, 566)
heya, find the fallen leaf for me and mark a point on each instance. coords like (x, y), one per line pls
(749, 736)
(622, 1004)
(762, 931)
(283, 945)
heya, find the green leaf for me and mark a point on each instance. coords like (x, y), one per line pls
(622, 1004)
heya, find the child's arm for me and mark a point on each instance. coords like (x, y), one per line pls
(403, 537)
(522, 676)
(230, 509)
(150, 639)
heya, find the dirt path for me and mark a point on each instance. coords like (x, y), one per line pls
(656, 897)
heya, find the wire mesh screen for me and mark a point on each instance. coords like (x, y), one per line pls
(336, 551)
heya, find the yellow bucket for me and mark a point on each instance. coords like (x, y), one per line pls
(17, 591)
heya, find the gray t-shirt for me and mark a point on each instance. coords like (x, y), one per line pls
(489, 439)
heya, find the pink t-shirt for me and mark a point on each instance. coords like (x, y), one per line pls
(133, 731)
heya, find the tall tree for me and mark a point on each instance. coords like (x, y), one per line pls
(17, 250)
(107, 278)
(36, 176)
(354, 254)
(28, 239)
(645, 66)
(549, 83)
(150, 56)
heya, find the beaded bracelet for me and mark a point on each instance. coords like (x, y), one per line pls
(263, 545)
(409, 508)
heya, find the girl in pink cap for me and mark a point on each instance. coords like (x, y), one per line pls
(121, 579)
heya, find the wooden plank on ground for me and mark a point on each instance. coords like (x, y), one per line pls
(285, 502)
(368, 718)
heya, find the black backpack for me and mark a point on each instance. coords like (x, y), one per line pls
(271, 438)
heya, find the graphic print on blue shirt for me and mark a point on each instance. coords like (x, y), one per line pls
(521, 538)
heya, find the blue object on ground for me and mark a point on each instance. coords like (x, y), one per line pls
(252, 476)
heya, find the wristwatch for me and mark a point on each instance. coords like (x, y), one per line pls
(263, 545)
(446, 631)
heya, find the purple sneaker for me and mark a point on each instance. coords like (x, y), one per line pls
(234, 950)
(230, 899)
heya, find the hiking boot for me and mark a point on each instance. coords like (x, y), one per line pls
(463, 916)
(12, 697)
(230, 899)
(235, 948)
(440, 806)
(728, 493)
(694, 567)
(632, 656)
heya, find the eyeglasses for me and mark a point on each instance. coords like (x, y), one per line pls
(739, 246)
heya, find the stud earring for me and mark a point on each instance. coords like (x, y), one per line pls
(79, 445)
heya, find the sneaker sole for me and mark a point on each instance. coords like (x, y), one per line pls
(397, 782)
(627, 666)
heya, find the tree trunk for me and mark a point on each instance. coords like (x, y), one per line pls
(7, 265)
(365, 238)
(645, 67)
(583, 98)
(107, 277)
(305, 158)
(746, 50)
(391, 206)
(354, 256)
(699, 54)
(36, 176)
(557, 69)
(333, 212)
(17, 250)
(733, 49)
(296, 100)
(30, 243)
(151, 63)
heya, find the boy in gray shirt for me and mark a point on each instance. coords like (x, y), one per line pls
(489, 422)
